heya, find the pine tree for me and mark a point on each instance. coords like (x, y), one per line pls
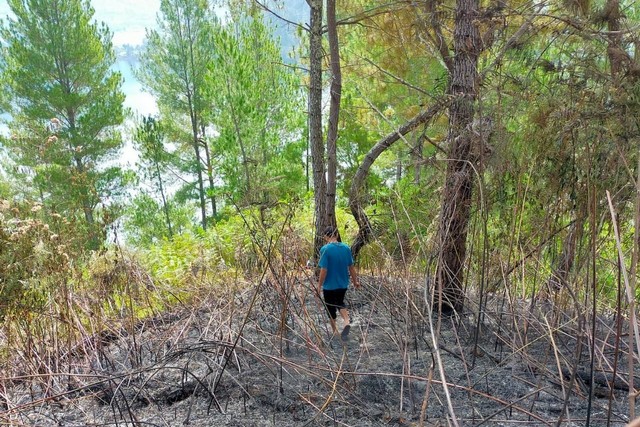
(65, 105)
(173, 67)
(257, 109)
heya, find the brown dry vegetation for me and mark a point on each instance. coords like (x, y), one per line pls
(260, 355)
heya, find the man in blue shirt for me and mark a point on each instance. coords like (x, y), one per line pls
(336, 265)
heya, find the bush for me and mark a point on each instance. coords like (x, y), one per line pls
(37, 249)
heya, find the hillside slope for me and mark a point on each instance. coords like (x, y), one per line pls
(263, 357)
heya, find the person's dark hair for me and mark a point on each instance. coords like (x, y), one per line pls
(331, 231)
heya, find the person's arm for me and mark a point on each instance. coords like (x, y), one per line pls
(354, 276)
(321, 277)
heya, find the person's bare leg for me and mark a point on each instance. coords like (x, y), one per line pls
(334, 326)
(345, 316)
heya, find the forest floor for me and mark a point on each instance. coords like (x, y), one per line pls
(263, 357)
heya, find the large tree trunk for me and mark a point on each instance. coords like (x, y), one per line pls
(456, 201)
(315, 122)
(334, 112)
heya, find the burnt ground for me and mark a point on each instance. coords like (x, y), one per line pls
(263, 357)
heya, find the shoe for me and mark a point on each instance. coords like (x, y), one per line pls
(345, 333)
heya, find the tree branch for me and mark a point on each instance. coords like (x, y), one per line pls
(355, 201)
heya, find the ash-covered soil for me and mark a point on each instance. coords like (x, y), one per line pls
(263, 357)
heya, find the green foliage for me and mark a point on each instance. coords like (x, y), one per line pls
(5, 187)
(178, 56)
(258, 112)
(185, 260)
(65, 109)
(145, 221)
(241, 246)
(154, 163)
(404, 218)
(389, 78)
(224, 97)
(150, 140)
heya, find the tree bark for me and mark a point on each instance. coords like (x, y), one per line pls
(315, 122)
(456, 202)
(334, 112)
(192, 97)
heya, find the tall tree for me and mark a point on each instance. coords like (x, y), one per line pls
(315, 121)
(174, 66)
(324, 161)
(334, 112)
(256, 108)
(66, 108)
(456, 198)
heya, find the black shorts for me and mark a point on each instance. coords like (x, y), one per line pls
(334, 300)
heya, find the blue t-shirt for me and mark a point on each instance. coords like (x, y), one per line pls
(336, 258)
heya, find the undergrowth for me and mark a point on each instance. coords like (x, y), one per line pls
(59, 302)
